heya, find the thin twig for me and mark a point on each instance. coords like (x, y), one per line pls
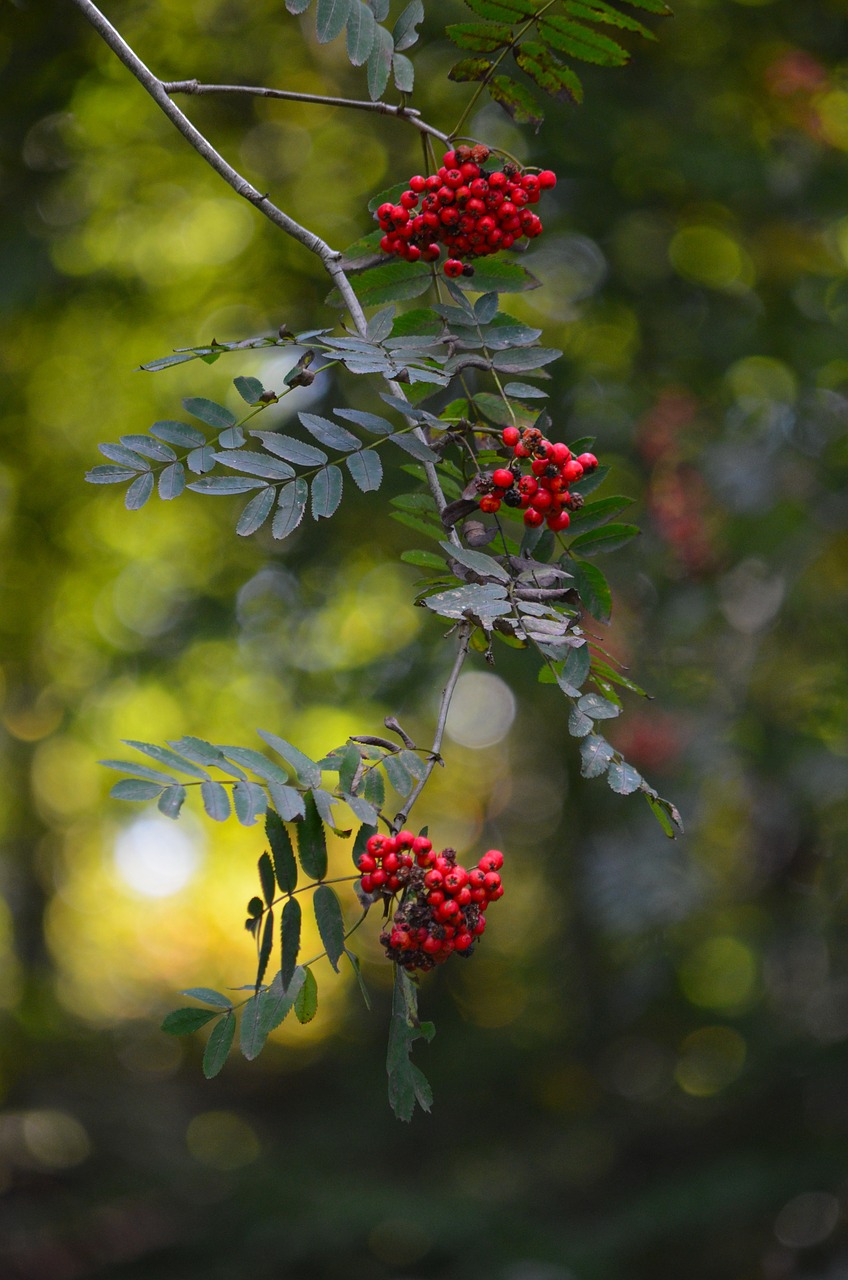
(410, 114)
(444, 706)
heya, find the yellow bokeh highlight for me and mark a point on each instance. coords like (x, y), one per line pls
(222, 1140)
(710, 1059)
(762, 379)
(720, 973)
(710, 256)
(832, 111)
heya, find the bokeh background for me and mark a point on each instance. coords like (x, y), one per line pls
(642, 1073)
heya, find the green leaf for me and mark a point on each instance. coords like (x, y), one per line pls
(225, 485)
(311, 841)
(598, 11)
(414, 447)
(523, 358)
(368, 421)
(138, 771)
(266, 878)
(209, 996)
(623, 778)
(330, 19)
(285, 865)
(390, 282)
(517, 101)
(249, 802)
(525, 390)
(357, 969)
(576, 666)
(114, 475)
(171, 801)
(399, 776)
(286, 800)
(404, 34)
(265, 948)
(254, 464)
(201, 460)
(216, 415)
(361, 807)
(183, 1021)
(481, 602)
(179, 433)
(599, 708)
(596, 754)
(581, 42)
(537, 61)
(326, 492)
(366, 469)
(298, 6)
(172, 481)
(497, 411)
(218, 1045)
(307, 770)
(139, 491)
(291, 505)
(422, 560)
(124, 456)
(330, 434)
(470, 69)
(252, 1033)
(255, 762)
(216, 802)
(306, 1004)
(592, 587)
(499, 274)
(251, 390)
(406, 1082)
(609, 674)
(579, 724)
(330, 921)
(514, 11)
(390, 195)
(482, 37)
(361, 32)
(290, 941)
(256, 512)
(607, 539)
(594, 514)
(134, 789)
(278, 1000)
(348, 765)
(477, 561)
(403, 73)
(304, 455)
(379, 69)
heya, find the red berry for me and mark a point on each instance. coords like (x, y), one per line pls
(404, 839)
(547, 179)
(490, 504)
(366, 863)
(511, 436)
(558, 522)
(560, 453)
(572, 471)
(588, 461)
(502, 478)
(417, 184)
(533, 518)
(452, 268)
(493, 882)
(367, 884)
(491, 861)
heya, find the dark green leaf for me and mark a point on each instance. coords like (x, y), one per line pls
(113, 475)
(278, 1000)
(216, 415)
(595, 514)
(486, 308)
(251, 390)
(661, 816)
(201, 460)
(357, 969)
(290, 941)
(291, 505)
(524, 358)
(249, 802)
(134, 789)
(179, 433)
(423, 559)
(286, 800)
(390, 282)
(311, 841)
(209, 996)
(218, 1046)
(265, 948)
(404, 34)
(203, 753)
(363, 809)
(366, 469)
(225, 485)
(330, 434)
(478, 561)
(139, 491)
(348, 766)
(216, 802)
(592, 587)
(525, 390)
(285, 865)
(254, 464)
(171, 801)
(124, 457)
(369, 421)
(470, 69)
(599, 708)
(514, 11)
(379, 67)
(482, 37)
(328, 915)
(578, 723)
(623, 778)
(499, 274)
(183, 1021)
(607, 539)
(576, 667)
(306, 1004)
(398, 775)
(415, 447)
(403, 73)
(266, 878)
(596, 754)
(324, 804)
(579, 41)
(599, 11)
(172, 481)
(307, 770)
(256, 512)
(537, 61)
(374, 790)
(326, 492)
(304, 455)
(517, 101)
(361, 32)
(137, 771)
(610, 675)
(255, 761)
(252, 1033)
(330, 20)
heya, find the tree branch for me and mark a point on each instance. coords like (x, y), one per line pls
(444, 706)
(410, 114)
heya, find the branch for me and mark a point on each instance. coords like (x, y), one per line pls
(444, 706)
(410, 114)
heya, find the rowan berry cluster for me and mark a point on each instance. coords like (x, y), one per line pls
(470, 210)
(543, 493)
(442, 908)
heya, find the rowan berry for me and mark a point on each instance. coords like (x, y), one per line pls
(547, 179)
(511, 436)
(453, 268)
(558, 522)
(502, 478)
(533, 518)
(490, 504)
(493, 860)
(588, 461)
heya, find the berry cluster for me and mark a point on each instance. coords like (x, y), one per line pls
(470, 210)
(441, 911)
(543, 493)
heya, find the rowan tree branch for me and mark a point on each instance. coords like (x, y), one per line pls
(410, 114)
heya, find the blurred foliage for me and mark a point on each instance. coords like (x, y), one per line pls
(642, 1073)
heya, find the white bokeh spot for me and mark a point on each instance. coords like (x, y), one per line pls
(155, 858)
(482, 710)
